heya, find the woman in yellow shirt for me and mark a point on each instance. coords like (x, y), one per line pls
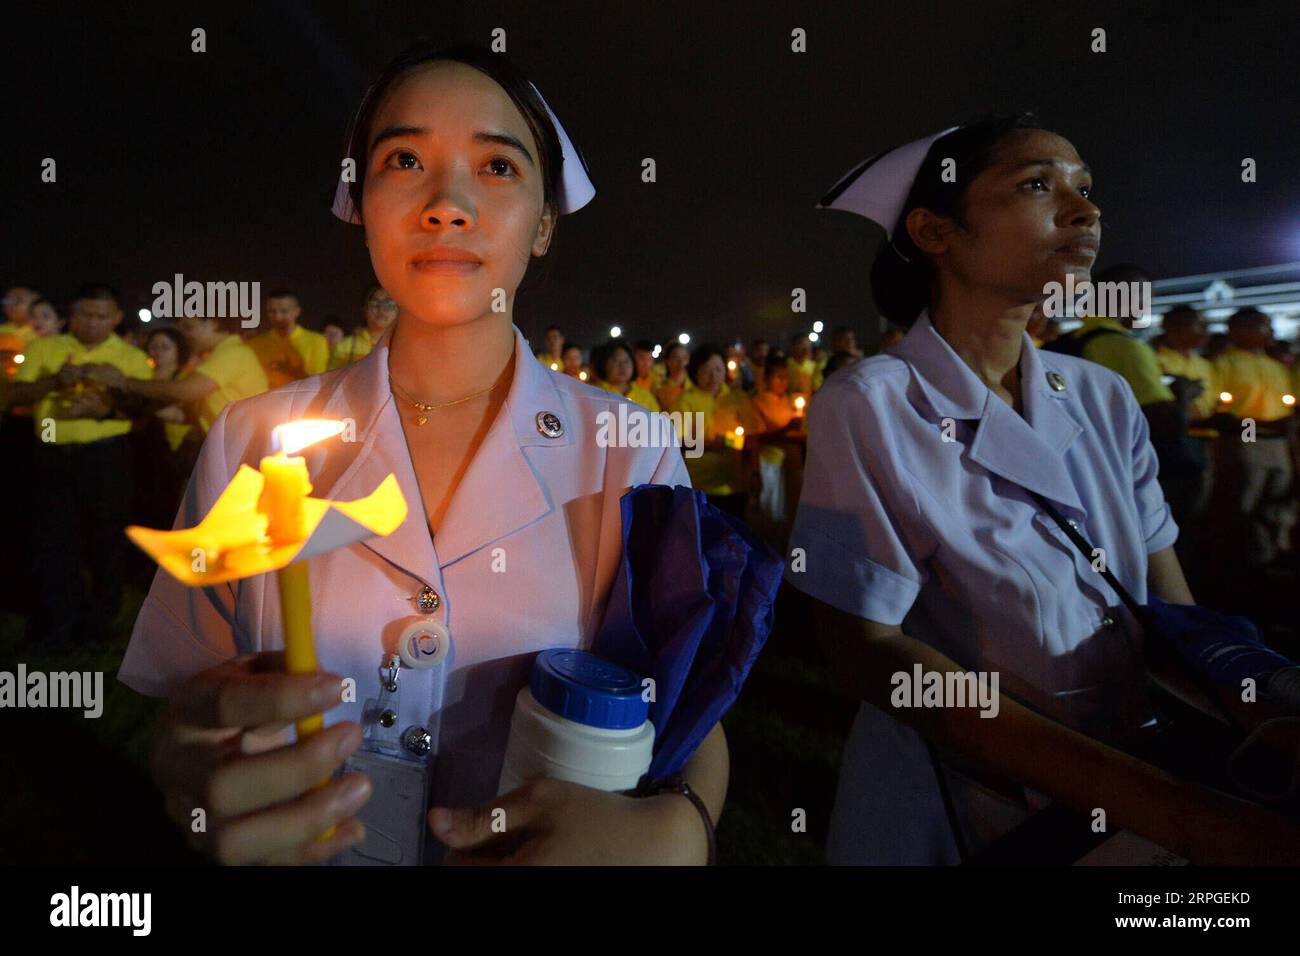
(780, 453)
(613, 364)
(721, 471)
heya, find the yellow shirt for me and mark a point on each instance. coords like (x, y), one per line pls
(1257, 383)
(773, 411)
(804, 376)
(648, 384)
(1132, 358)
(635, 393)
(45, 356)
(669, 393)
(19, 334)
(351, 348)
(287, 358)
(1197, 368)
(718, 472)
(237, 372)
(544, 358)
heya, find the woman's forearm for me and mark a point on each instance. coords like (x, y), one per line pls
(1037, 752)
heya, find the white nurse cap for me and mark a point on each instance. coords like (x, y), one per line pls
(576, 189)
(878, 187)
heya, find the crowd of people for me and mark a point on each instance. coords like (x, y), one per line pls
(112, 423)
(101, 430)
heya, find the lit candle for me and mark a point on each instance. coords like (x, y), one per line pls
(1288, 400)
(1225, 398)
(799, 403)
(735, 439)
(285, 487)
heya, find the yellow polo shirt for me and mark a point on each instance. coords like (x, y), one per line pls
(45, 356)
(1257, 383)
(351, 348)
(718, 472)
(1132, 358)
(1197, 368)
(287, 358)
(636, 394)
(237, 372)
(544, 358)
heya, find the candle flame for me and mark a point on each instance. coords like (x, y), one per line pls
(1225, 397)
(800, 402)
(740, 430)
(1288, 399)
(292, 437)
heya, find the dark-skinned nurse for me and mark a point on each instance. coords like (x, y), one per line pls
(919, 539)
(511, 545)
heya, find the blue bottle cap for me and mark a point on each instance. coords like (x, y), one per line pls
(583, 688)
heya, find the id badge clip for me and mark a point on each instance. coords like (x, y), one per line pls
(400, 734)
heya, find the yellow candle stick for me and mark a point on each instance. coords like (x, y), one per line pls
(265, 520)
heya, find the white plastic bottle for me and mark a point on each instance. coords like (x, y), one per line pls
(580, 719)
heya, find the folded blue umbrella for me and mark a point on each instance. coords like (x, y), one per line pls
(691, 607)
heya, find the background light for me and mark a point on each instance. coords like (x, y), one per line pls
(684, 339)
(813, 336)
(655, 353)
(145, 315)
(818, 326)
(615, 331)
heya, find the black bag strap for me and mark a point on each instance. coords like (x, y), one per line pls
(1086, 550)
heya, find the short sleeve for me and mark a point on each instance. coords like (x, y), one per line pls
(1157, 521)
(847, 548)
(180, 630)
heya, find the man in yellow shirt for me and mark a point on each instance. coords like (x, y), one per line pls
(82, 470)
(1258, 385)
(643, 356)
(1184, 333)
(17, 302)
(286, 350)
(228, 371)
(804, 373)
(379, 311)
(553, 355)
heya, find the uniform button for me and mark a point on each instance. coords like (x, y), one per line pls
(1056, 380)
(427, 600)
(418, 741)
(549, 424)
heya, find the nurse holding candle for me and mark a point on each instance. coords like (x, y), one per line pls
(462, 174)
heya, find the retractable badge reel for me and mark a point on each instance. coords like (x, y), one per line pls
(400, 733)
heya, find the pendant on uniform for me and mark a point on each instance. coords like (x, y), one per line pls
(1056, 380)
(421, 419)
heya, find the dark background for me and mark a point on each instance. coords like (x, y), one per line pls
(221, 165)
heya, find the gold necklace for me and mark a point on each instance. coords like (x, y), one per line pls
(427, 406)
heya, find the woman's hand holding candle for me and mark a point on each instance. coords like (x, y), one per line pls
(259, 805)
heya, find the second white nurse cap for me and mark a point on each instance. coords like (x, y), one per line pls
(877, 188)
(576, 189)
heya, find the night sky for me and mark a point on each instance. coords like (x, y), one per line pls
(221, 165)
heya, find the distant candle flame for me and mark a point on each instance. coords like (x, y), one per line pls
(583, 376)
(1288, 399)
(800, 402)
(731, 365)
(20, 358)
(293, 437)
(1225, 397)
(555, 366)
(740, 430)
